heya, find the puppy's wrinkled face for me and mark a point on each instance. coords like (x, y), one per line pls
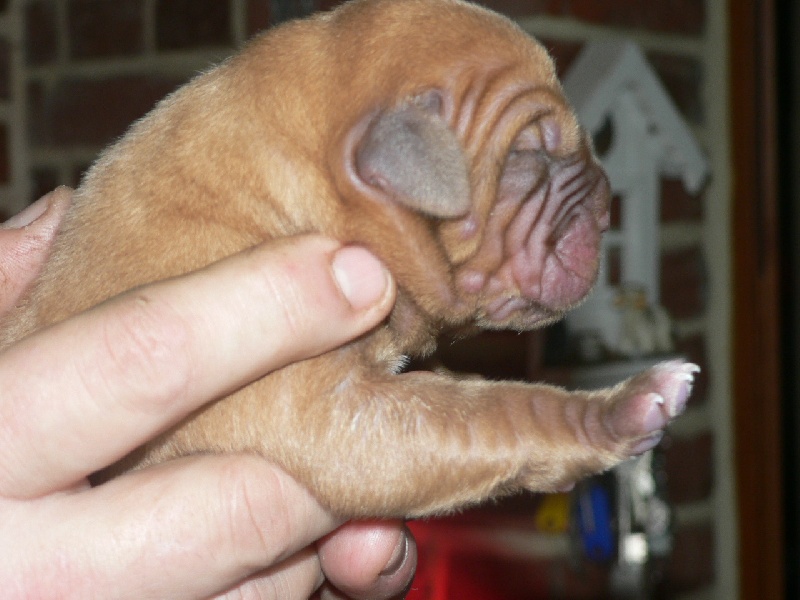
(539, 253)
(485, 146)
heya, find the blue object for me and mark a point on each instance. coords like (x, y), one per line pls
(595, 521)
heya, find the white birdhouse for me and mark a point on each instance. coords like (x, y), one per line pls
(611, 85)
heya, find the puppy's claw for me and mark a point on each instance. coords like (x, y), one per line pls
(646, 403)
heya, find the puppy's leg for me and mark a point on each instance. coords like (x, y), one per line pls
(422, 443)
(445, 443)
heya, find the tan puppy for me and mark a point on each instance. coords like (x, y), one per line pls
(434, 133)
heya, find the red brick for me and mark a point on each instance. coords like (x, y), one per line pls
(36, 101)
(258, 17)
(5, 70)
(683, 79)
(99, 28)
(41, 32)
(5, 158)
(185, 24)
(683, 283)
(690, 468)
(677, 204)
(674, 16)
(93, 112)
(691, 565)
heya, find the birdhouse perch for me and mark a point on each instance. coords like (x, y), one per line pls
(615, 90)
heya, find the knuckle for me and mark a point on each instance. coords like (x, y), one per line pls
(147, 349)
(284, 289)
(255, 504)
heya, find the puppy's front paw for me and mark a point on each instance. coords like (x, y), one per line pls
(645, 404)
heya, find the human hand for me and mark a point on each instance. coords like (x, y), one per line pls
(25, 242)
(81, 394)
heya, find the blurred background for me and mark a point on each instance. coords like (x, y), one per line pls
(75, 73)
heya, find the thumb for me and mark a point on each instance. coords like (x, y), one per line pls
(25, 243)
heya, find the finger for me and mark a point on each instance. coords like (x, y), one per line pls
(25, 242)
(138, 364)
(191, 528)
(371, 560)
(296, 578)
(353, 555)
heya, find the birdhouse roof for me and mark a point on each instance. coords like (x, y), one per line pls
(604, 70)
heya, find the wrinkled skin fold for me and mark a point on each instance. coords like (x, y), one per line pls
(434, 133)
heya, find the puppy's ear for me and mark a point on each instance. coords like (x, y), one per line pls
(410, 155)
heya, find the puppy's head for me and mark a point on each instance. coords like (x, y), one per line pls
(484, 197)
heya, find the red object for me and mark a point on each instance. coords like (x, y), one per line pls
(456, 563)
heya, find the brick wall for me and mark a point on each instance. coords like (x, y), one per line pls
(6, 101)
(94, 66)
(84, 69)
(12, 165)
(673, 36)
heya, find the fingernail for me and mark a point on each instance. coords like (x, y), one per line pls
(362, 278)
(398, 558)
(28, 215)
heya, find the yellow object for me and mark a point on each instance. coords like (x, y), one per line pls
(553, 513)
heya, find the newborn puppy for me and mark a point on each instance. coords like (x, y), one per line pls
(434, 133)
